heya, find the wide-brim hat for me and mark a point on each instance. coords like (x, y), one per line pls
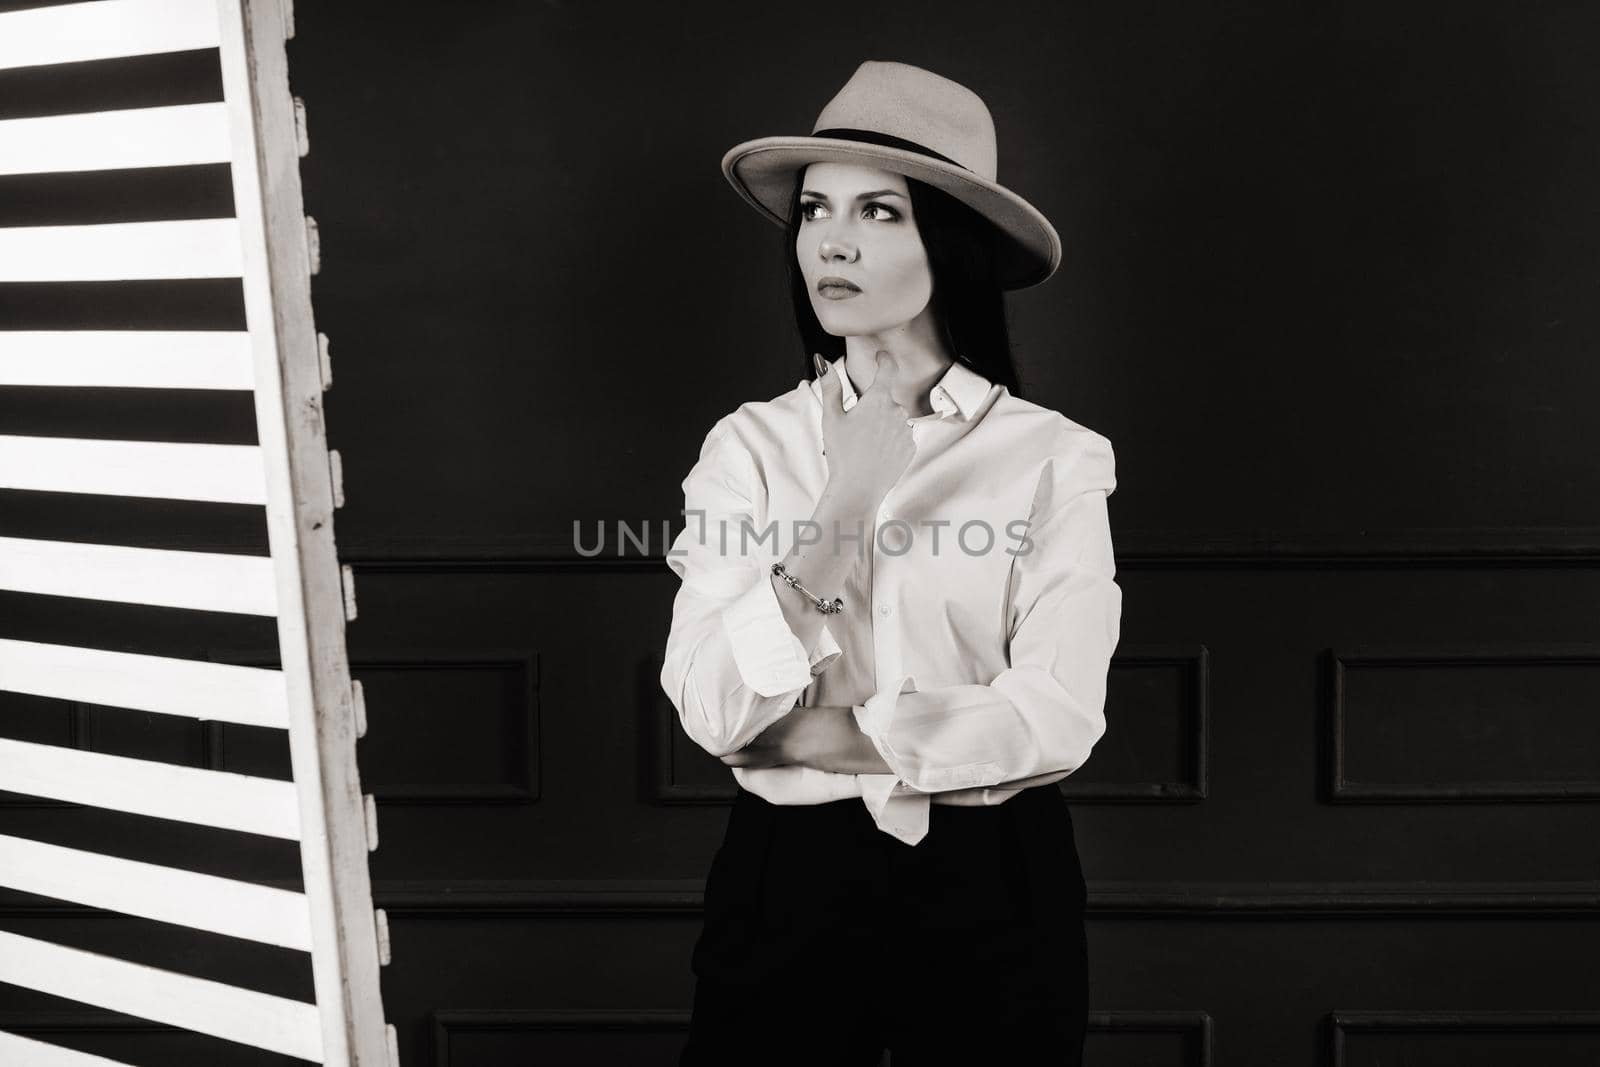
(916, 123)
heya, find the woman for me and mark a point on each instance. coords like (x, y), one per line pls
(897, 614)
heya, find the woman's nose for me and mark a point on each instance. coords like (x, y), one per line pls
(832, 248)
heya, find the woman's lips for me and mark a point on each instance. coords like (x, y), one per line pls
(837, 292)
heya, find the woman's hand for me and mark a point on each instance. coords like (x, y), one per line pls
(825, 737)
(870, 447)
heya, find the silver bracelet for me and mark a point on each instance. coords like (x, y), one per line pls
(826, 607)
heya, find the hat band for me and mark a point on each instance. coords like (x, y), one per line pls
(887, 140)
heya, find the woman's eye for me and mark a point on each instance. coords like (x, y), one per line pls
(891, 216)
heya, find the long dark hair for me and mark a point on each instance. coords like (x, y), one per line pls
(968, 304)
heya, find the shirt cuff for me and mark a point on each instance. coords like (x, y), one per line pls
(827, 651)
(769, 656)
(903, 816)
(896, 808)
(876, 719)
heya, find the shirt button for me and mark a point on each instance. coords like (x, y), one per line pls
(884, 609)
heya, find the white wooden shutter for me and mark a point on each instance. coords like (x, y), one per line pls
(271, 246)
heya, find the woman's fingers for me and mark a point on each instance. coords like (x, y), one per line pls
(882, 380)
(748, 757)
(832, 390)
(831, 394)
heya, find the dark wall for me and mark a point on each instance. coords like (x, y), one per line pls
(1327, 282)
(1328, 287)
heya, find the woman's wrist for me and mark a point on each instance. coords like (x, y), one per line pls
(851, 499)
(843, 748)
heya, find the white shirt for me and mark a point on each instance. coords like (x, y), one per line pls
(976, 673)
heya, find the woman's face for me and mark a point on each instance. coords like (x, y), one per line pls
(856, 224)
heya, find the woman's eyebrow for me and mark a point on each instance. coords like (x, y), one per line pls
(859, 196)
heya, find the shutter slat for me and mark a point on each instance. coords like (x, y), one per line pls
(222, 692)
(225, 474)
(105, 29)
(262, 913)
(221, 799)
(121, 251)
(183, 135)
(199, 1004)
(203, 581)
(128, 359)
(15, 1048)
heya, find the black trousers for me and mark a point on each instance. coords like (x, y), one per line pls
(826, 941)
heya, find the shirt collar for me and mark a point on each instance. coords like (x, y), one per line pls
(960, 390)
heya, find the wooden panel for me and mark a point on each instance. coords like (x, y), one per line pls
(204, 581)
(205, 902)
(128, 359)
(226, 474)
(1465, 1038)
(121, 251)
(468, 899)
(116, 140)
(1211, 974)
(1158, 725)
(471, 735)
(105, 29)
(250, 696)
(1148, 1039)
(495, 1037)
(492, 1037)
(1266, 752)
(471, 732)
(1465, 724)
(144, 787)
(216, 1008)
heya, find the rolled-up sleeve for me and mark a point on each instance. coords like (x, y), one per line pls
(733, 666)
(1046, 710)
